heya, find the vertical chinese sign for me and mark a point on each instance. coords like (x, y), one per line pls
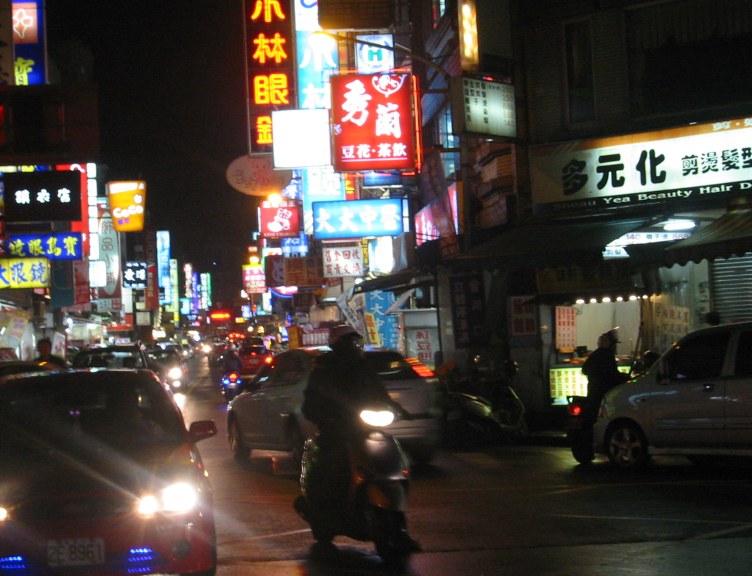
(372, 122)
(271, 66)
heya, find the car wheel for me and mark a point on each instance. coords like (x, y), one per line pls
(626, 446)
(239, 450)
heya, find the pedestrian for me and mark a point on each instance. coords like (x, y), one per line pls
(601, 369)
(44, 348)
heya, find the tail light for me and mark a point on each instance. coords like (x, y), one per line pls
(574, 410)
(419, 368)
(233, 376)
(268, 359)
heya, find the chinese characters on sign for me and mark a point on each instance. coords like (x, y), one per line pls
(280, 219)
(483, 107)
(41, 196)
(357, 218)
(135, 275)
(522, 316)
(303, 271)
(468, 309)
(372, 122)
(674, 166)
(271, 63)
(254, 280)
(24, 273)
(566, 328)
(57, 246)
(341, 261)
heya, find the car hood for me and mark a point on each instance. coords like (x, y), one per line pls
(60, 474)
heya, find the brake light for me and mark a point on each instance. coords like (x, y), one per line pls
(268, 359)
(419, 368)
(574, 410)
(233, 376)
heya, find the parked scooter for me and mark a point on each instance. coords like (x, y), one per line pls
(485, 408)
(374, 508)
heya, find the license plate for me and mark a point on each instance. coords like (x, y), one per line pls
(75, 552)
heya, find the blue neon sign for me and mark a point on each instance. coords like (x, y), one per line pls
(357, 218)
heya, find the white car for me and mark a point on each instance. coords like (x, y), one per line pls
(695, 400)
(267, 415)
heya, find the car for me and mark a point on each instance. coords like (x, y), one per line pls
(252, 357)
(10, 367)
(266, 414)
(101, 477)
(131, 355)
(169, 364)
(695, 400)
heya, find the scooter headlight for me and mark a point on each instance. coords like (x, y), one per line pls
(377, 418)
(175, 373)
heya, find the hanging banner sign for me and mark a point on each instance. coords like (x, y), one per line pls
(357, 218)
(56, 246)
(24, 273)
(135, 275)
(372, 122)
(254, 280)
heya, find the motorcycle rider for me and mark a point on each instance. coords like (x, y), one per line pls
(340, 384)
(232, 361)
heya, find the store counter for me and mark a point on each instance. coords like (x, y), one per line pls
(566, 379)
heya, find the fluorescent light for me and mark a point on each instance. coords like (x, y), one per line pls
(674, 225)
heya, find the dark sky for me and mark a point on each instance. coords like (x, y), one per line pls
(172, 112)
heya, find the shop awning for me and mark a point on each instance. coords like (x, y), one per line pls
(397, 282)
(728, 235)
(550, 244)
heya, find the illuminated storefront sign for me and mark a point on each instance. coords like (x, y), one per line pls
(127, 200)
(271, 62)
(342, 261)
(372, 122)
(41, 196)
(135, 275)
(480, 106)
(254, 280)
(688, 164)
(163, 267)
(56, 246)
(279, 219)
(29, 39)
(357, 218)
(24, 273)
(371, 59)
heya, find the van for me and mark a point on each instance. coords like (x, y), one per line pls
(695, 400)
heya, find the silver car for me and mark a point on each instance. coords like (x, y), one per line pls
(695, 400)
(267, 414)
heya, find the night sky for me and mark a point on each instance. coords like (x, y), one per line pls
(172, 112)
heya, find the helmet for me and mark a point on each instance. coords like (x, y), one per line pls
(608, 339)
(340, 331)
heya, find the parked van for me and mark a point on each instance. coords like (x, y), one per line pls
(696, 400)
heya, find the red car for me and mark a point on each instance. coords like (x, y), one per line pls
(253, 357)
(99, 476)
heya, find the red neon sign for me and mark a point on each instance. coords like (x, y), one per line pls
(373, 122)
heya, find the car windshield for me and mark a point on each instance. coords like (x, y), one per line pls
(167, 356)
(109, 358)
(73, 413)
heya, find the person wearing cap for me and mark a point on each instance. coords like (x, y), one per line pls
(601, 369)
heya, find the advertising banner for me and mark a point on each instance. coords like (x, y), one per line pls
(372, 122)
(254, 280)
(279, 219)
(42, 196)
(127, 201)
(24, 273)
(135, 275)
(341, 261)
(357, 218)
(55, 246)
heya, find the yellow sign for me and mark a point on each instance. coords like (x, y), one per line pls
(127, 201)
(372, 329)
(24, 273)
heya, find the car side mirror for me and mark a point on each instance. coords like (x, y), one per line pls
(202, 429)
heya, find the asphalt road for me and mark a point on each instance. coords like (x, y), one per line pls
(524, 509)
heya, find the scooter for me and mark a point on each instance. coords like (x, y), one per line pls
(578, 424)
(476, 419)
(374, 508)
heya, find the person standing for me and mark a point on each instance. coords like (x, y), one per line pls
(601, 369)
(44, 348)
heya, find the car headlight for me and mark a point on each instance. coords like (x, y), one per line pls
(177, 498)
(175, 373)
(4, 514)
(377, 418)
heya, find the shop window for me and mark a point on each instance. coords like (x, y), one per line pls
(449, 142)
(579, 63)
